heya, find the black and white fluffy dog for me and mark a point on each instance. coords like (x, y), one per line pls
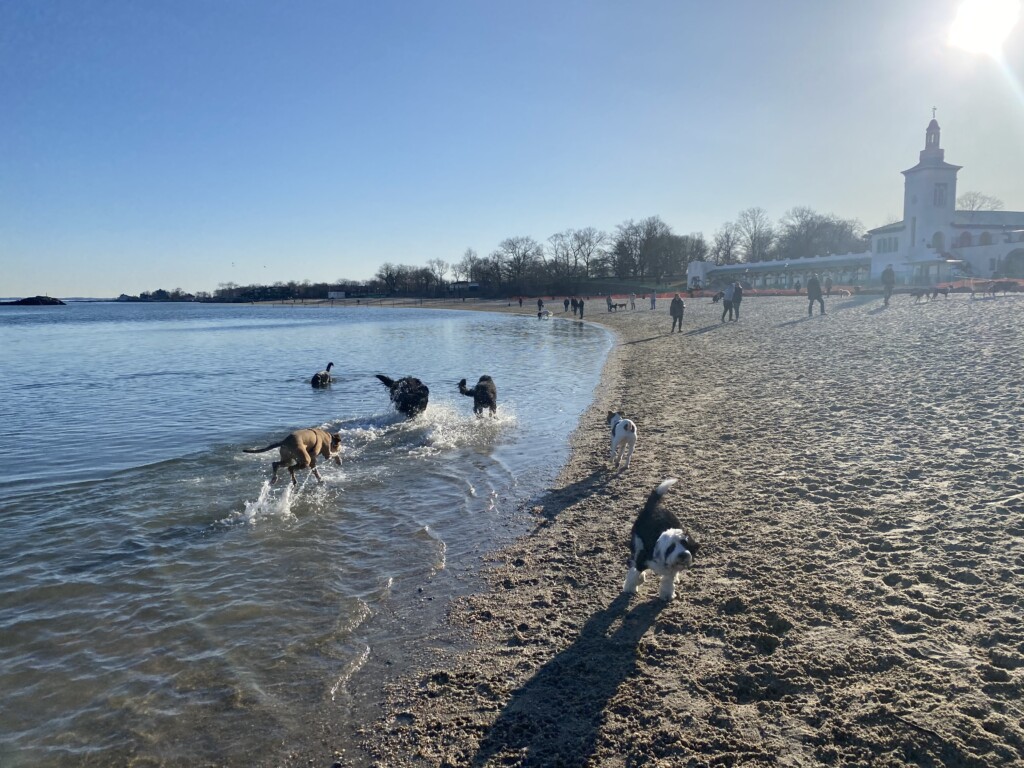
(484, 394)
(409, 394)
(322, 379)
(623, 437)
(658, 543)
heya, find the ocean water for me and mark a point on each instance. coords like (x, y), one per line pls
(160, 602)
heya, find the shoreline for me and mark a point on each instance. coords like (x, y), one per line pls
(858, 594)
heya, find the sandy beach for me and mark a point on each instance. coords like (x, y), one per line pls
(857, 482)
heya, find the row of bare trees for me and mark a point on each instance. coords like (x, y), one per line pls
(644, 251)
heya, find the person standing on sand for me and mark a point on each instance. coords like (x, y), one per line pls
(797, 286)
(888, 282)
(520, 302)
(737, 297)
(654, 298)
(632, 301)
(828, 286)
(540, 306)
(814, 294)
(727, 301)
(676, 309)
(608, 299)
(580, 302)
(565, 304)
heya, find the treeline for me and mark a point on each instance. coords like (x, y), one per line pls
(645, 252)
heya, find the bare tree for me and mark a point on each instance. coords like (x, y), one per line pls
(469, 266)
(588, 248)
(387, 274)
(804, 233)
(726, 246)
(520, 256)
(976, 201)
(438, 269)
(562, 260)
(756, 234)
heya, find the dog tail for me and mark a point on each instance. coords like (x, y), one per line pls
(657, 493)
(629, 426)
(262, 450)
(386, 381)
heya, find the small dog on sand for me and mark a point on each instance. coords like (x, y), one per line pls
(300, 449)
(484, 394)
(658, 543)
(623, 437)
(936, 291)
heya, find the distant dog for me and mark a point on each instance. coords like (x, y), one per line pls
(658, 543)
(619, 306)
(484, 394)
(623, 437)
(322, 379)
(843, 293)
(937, 291)
(919, 293)
(409, 394)
(1006, 286)
(718, 297)
(544, 314)
(300, 449)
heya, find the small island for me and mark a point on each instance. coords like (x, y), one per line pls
(34, 301)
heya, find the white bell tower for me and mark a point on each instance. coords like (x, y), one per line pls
(929, 199)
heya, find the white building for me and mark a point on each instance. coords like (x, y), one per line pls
(933, 243)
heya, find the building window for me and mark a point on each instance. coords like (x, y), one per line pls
(938, 241)
(940, 195)
(986, 238)
(965, 240)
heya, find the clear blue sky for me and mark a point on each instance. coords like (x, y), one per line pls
(182, 144)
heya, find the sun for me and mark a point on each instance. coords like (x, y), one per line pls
(982, 26)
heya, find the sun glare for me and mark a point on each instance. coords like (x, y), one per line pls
(982, 26)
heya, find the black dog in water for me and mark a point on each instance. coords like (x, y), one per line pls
(409, 394)
(484, 394)
(322, 379)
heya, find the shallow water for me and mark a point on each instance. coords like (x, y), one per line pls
(159, 600)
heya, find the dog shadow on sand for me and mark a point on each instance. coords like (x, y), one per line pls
(554, 502)
(555, 717)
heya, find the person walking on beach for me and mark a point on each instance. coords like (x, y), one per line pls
(540, 306)
(814, 294)
(632, 301)
(654, 298)
(727, 301)
(828, 286)
(676, 309)
(520, 302)
(888, 282)
(608, 299)
(565, 304)
(737, 297)
(580, 303)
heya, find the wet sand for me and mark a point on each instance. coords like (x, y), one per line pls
(857, 481)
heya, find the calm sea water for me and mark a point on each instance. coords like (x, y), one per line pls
(160, 602)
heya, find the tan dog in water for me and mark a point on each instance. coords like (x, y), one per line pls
(300, 449)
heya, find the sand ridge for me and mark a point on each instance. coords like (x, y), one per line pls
(856, 480)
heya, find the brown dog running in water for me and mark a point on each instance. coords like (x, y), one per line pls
(300, 449)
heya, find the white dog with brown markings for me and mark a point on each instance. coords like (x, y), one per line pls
(300, 449)
(623, 437)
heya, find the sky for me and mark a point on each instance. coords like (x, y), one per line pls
(184, 144)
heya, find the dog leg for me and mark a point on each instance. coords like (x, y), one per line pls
(668, 587)
(629, 453)
(316, 473)
(273, 477)
(633, 578)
